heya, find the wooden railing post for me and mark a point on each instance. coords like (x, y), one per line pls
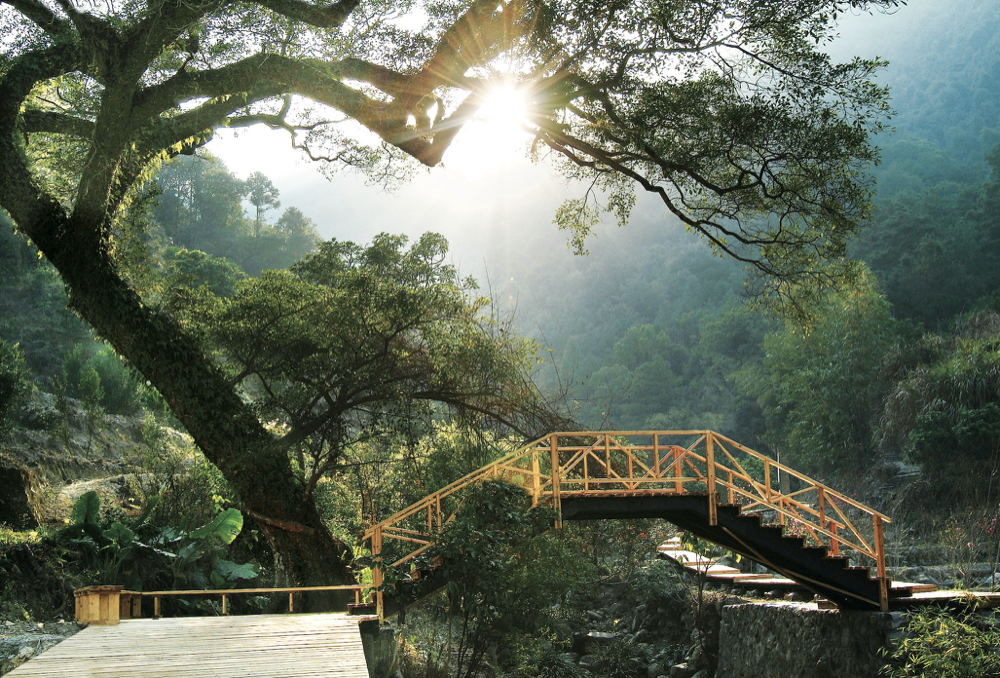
(377, 569)
(536, 478)
(767, 481)
(556, 481)
(713, 497)
(883, 584)
(656, 455)
(607, 458)
(678, 471)
(821, 502)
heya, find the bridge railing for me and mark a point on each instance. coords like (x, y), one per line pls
(643, 463)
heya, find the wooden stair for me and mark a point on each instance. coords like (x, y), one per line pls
(809, 567)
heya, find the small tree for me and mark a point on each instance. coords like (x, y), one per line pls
(501, 570)
(263, 196)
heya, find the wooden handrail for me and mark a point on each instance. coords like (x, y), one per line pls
(602, 463)
(109, 604)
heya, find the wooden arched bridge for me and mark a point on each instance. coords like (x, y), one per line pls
(701, 481)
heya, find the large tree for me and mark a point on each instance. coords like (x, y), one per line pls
(728, 110)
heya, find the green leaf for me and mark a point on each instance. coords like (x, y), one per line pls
(225, 527)
(119, 534)
(87, 508)
(231, 571)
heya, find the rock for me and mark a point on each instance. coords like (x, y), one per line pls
(599, 638)
(704, 673)
(26, 652)
(799, 596)
(654, 670)
(681, 671)
(642, 636)
(595, 615)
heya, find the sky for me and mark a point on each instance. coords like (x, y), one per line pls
(485, 198)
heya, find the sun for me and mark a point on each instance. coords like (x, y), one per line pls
(505, 107)
(495, 134)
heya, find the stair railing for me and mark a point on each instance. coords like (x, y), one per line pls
(644, 463)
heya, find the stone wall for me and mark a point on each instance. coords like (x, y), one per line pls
(798, 640)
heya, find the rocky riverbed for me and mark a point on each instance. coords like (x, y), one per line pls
(20, 641)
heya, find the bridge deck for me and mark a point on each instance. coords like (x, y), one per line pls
(263, 646)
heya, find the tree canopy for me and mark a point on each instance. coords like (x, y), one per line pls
(730, 112)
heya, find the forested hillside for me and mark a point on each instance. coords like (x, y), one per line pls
(660, 338)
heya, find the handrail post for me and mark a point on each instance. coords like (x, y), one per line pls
(767, 480)
(556, 481)
(377, 569)
(536, 478)
(713, 499)
(821, 502)
(656, 455)
(607, 459)
(678, 471)
(883, 585)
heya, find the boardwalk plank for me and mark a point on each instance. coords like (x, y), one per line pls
(263, 646)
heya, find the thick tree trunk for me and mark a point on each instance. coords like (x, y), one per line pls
(222, 425)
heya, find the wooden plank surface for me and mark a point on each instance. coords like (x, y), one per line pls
(253, 646)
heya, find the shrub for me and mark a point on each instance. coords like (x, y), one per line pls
(943, 645)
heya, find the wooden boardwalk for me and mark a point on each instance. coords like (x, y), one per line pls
(253, 646)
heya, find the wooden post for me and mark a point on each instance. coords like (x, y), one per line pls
(631, 470)
(377, 567)
(835, 544)
(767, 481)
(607, 460)
(732, 499)
(536, 478)
(713, 496)
(291, 602)
(156, 606)
(883, 585)
(678, 471)
(131, 605)
(98, 605)
(656, 455)
(225, 607)
(556, 481)
(821, 502)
